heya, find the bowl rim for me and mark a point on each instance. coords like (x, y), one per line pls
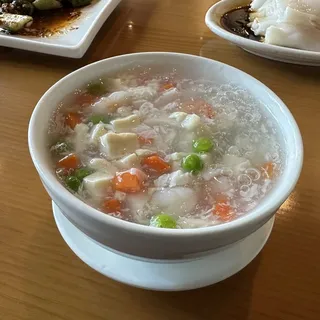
(258, 214)
(251, 44)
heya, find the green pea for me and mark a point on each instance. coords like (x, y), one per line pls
(96, 88)
(192, 163)
(95, 119)
(73, 183)
(202, 145)
(81, 173)
(163, 221)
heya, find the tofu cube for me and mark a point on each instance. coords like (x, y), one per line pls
(104, 165)
(144, 152)
(128, 162)
(97, 131)
(125, 124)
(98, 184)
(117, 145)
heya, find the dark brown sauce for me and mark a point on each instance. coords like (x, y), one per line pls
(50, 22)
(236, 21)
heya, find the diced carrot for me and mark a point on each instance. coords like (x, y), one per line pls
(167, 86)
(85, 99)
(70, 161)
(112, 205)
(72, 119)
(199, 107)
(268, 170)
(127, 182)
(143, 140)
(155, 163)
(222, 209)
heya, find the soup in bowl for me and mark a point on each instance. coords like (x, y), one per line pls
(164, 155)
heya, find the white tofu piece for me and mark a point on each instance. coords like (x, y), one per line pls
(125, 124)
(81, 137)
(173, 179)
(178, 116)
(97, 131)
(128, 162)
(98, 184)
(191, 122)
(104, 165)
(112, 102)
(117, 145)
(144, 152)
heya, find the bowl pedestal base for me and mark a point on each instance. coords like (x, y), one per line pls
(159, 275)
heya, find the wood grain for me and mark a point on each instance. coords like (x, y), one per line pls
(40, 278)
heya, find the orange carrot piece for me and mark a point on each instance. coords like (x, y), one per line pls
(268, 170)
(155, 163)
(85, 99)
(222, 209)
(167, 86)
(70, 161)
(72, 119)
(143, 140)
(199, 107)
(127, 182)
(112, 205)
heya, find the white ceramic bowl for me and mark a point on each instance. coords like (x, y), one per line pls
(289, 55)
(149, 242)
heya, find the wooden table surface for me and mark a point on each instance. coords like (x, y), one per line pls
(41, 279)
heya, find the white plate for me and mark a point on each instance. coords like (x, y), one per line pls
(159, 275)
(265, 50)
(72, 43)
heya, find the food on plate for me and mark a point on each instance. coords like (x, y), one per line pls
(159, 149)
(18, 15)
(287, 23)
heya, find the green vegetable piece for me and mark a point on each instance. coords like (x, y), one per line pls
(163, 221)
(61, 147)
(73, 183)
(79, 3)
(192, 163)
(95, 119)
(96, 88)
(14, 22)
(47, 4)
(202, 145)
(81, 173)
